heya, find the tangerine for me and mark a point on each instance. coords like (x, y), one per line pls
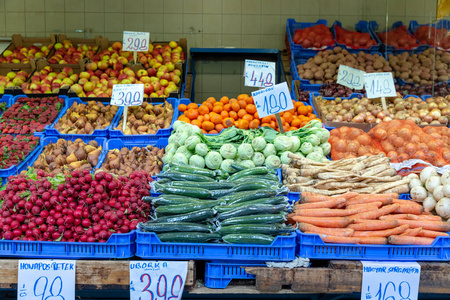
(182, 107)
(242, 112)
(203, 110)
(207, 125)
(250, 108)
(217, 109)
(191, 113)
(192, 105)
(224, 100)
(228, 122)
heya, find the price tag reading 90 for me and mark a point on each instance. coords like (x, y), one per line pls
(127, 94)
(273, 100)
(259, 73)
(136, 41)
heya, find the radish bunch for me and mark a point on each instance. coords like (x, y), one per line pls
(80, 207)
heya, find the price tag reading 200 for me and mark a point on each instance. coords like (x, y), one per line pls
(136, 41)
(157, 280)
(127, 94)
(379, 85)
(273, 100)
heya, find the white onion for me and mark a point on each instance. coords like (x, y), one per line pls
(412, 176)
(429, 203)
(446, 190)
(445, 178)
(418, 193)
(426, 173)
(438, 193)
(443, 208)
(415, 182)
(432, 183)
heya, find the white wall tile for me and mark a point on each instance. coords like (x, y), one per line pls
(193, 6)
(310, 7)
(376, 8)
(74, 22)
(14, 5)
(114, 36)
(54, 6)
(415, 8)
(35, 33)
(212, 23)
(192, 23)
(94, 6)
(134, 6)
(15, 21)
(251, 24)
(157, 36)
(431, 8)
(251, 7)
(153, 23)
(212, 40)
(96, 21)
(2, 22)
(34, 5)
(349, 21)
(133, 22)
(329, 7)
(115, 6)
(271, 41)
(232, 40)
(271, 24)
(397, 7)
(54, 22)
(212, 6)
(173, 6)
(35, 22)
(73, 6)
(231, 24)
(212, 83)
(173, 23)
(114, 22)
(251, 40)
(290, 6)
(350, 8)
(153, 6)
(270, 7)
(231, 6)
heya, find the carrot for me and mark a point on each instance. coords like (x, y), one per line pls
(412, 232)
(367, 208)
(431, 233)
(384, 233)
(428, 218)
(375, 214)
(370, 198)
(366, 225)
(409, 209)
(375, 240)
(323, 222)
(395, 217)
(306, 197)
(339, 239)
(409, 240)
(348, 195)
(326, 212)
(428, 225)
(322, 204)
(304, 227)
(407, 202)
(357, 206)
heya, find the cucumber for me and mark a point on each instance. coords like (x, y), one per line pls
(175, 199)
(192, 170)
(216, 194)
(238, 167)
(188, 237)
(174, 175)
(270, 177)
(260, 239)
(184, 191)
(272, 201)
(269, 229)
(163, 181)
(251, 209)
(196, 216)
(248, 172)
(257, 219)
(252, 195)
(204, 185)
(250, 186)
(175, 227)
(184, 208)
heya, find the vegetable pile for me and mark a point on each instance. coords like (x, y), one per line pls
(78, 207)
(247, 207)
(147, 118)
(354, 39)
(349, 142)
(30, 115)
(125, 161)
(251, 148)
(363, 175)
(437, 89)
(317, 36)
(353, 218)
(442, 137)
(432, 190)
(67, 156)
(13, 150)
(433, 37)
(399, 38)
(324, 66)
(84, 119)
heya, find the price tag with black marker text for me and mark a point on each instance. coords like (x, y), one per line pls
(351, 78)
(46, 279)
(379, 85)
(136, 41)
(259, 73)
(391, 280)
(157, 280)
(273, 100)
(127, 94)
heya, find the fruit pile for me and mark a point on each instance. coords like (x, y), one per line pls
(80, 207)
(30, 115)
(12, 79)
(49, 81)
(213, 116)
(66, 53)
(314, 37)
(354, 39)
(13, 150)
(399, 38)
(24, 55)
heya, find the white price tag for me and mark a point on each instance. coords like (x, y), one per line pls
(273, 100)
(379, 85)
(259, 73)
(127, 94)
(390, 280)
(351, 78)
(157, 279)
(46, 279)
(136, 41)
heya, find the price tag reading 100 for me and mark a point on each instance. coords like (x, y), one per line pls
(273, 100)
(127, 94)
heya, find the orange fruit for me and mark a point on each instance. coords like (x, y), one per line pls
(217, 109)
(273, 124)
(302, 110)
(248, 117)
(265, 125)
(227, 107)
(219, 127)
(233, 100)
(211, 100)
(235, 106)
(185, 119)
(224, 114)
(242, 103)
(266, 119)
(182, 107)
(292, 128)
(203, 110)
(218, 103)
(200, 118)
(192, 105)
(288, 117)
(196, 123)
(216, 119)
(310, 109)
(250, 108)
(227, 122)
(210, 106)
(254, 124)
(207, 125)
(242, 112)
(204, 131)
(206, 117)
(224, 100)
(256, 115)
(243, 124)
(213, 132)
(249, 100)
(296, 122)
(191, 113)
(233, 115)
(312, 116)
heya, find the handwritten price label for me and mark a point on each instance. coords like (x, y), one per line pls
(157, 280)
(351, 78)
(390, 280)
(272, 100)
(127, 94)
(136, 41)
(46, 280)
(259, 73)
(379, 85)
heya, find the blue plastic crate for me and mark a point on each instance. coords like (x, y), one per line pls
(219, 274)
(312, 246)
(292, 25)
(51, 131)
(361, 26)
(6, 99)
(119, 245)
(441, 24)
(160, 133)
(149, 246)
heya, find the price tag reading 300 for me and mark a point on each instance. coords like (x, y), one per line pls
(136, 41)
(127, 94)
(272, 100)
(379, 85)
(259, 73)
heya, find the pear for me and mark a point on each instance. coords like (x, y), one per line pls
(71, 158)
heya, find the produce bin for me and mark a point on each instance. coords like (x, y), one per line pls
(298, 58)
(149, 246)
(219, 274)
(361, 26)
(441, 24)
(292, 25)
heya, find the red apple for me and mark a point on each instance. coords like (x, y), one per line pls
(148, 88)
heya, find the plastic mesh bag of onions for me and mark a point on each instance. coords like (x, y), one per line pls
(442, 137)
(349, 142)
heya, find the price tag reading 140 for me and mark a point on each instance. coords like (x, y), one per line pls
(273, 100)
(136, 41)
(259, 73)
(379, 85)
(127, 94)
(157, 280)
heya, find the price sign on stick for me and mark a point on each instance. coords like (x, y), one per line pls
(259, 73)
(46, 279)
(380, 85)
(127, 95)
(136, 41)
(351, 78)
(390, 280)
(157, 279)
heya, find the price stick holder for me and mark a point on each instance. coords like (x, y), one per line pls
(272, 101)
(127, 95)
(136, 41)
(380, 85)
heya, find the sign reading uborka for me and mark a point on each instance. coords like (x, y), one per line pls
(157, 279)
(46, 279)
(390, 280)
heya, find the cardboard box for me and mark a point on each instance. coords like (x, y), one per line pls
(40, 63)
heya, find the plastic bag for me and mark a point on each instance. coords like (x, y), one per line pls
(349, 142)
(354, 39)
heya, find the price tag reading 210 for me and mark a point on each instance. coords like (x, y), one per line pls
(273, 100)
(127, 94)
(136, 41)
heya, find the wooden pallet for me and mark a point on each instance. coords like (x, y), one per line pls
(341, 277)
